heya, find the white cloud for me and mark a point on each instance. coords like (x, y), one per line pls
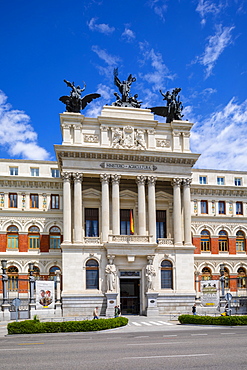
(159, 7)
(107, 97)
(222, 138)
(160, 71)
(110, 60)
(128, 34)
(16, 134)
(100, 27)
(206, 7)
(215, 47)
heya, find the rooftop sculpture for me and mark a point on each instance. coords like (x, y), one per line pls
(75, 103)
(125, 100)
(173, 109)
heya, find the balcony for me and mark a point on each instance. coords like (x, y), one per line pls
(129, 239)
(166, 241)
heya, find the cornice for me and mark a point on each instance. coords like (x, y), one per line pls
(218, 191)
(31, 184)
(173, 158)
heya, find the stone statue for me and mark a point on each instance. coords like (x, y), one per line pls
(150, 273)
(111, 273)
(124, 88)
(75, 103)
(174, 107)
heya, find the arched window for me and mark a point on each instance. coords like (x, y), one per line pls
(166, 275)
(55, 237)
(12, 273)
(242, 278)
(92, 274)
(206, 273)
(227, 276)
(36, 272)
(12, 237)
(33, 237)
(205, 241)
(240, 241)
(223, 241)
(52, 272)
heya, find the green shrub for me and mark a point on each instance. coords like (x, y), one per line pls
(34, 326)
(210, 320)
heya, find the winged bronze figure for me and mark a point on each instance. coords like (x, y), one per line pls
(173, 108)
(74, 102)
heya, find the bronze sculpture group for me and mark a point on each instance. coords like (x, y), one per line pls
(172, 111)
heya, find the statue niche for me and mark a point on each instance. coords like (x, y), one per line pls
(74, 102)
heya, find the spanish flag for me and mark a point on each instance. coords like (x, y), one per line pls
(132, 230)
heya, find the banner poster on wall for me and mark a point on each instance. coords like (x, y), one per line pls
(210, 292)
(44, 294)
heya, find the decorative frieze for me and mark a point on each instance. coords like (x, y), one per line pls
(93, 139)
(163, 143)
(135, 167)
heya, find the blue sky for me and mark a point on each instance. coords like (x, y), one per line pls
(198, 45)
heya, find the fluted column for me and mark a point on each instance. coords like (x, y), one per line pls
(66, 176)
(152, 207)
(77, 207)
(177, 216)
(115, 205)
(104, 178)
(187, 211)
(141, 205)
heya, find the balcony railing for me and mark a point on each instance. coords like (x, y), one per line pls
(165, 241)
(91, 240)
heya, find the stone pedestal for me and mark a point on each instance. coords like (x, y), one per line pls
(111, 303)
(152, 308)
(5, 314)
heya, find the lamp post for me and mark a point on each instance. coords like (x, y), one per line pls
(222, 278)
(31, 281)
(5, 281)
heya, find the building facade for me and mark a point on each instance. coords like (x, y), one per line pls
(124, 216)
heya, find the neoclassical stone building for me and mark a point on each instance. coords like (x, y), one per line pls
(124, 216)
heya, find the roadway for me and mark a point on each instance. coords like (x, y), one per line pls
(138, 347)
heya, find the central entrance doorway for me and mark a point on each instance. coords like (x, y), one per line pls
(130, 292)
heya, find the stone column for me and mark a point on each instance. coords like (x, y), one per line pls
(66, 176)
(141, 205)
(104, 178)
(177, 216)
(115, 205)
(152, 207)
(187, 211)
(77, 207)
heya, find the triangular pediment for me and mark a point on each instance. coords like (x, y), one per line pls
(161, 195)
(128, 194)
(91, 193)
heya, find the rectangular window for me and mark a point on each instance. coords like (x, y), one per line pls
(240, 245)
(55, 172)
(237, 181)
(34, 171)
(55, 241)
(223, 246)
(54, 201)
(126, 222)
(222, 208)
(91, 222)
(220, 181)
(13, 171)
(34, 241)
(13, 283)
(239, 208)
(160, 224)
(12, 241)
(204, 206)
(12, 200)
(34, 201)
(203, 180)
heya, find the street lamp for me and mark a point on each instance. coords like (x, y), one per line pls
(5, 281)
(222, 278)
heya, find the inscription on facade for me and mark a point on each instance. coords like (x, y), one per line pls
(142, 167)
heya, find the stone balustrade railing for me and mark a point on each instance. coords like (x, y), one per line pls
(135, 239)
(165, 241)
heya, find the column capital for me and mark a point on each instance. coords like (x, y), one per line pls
(187, 182)
(66, 176)
(77, 176)
(152, 180)
(115, 178)
(140, 180)
(104, 177)
(176, 181)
